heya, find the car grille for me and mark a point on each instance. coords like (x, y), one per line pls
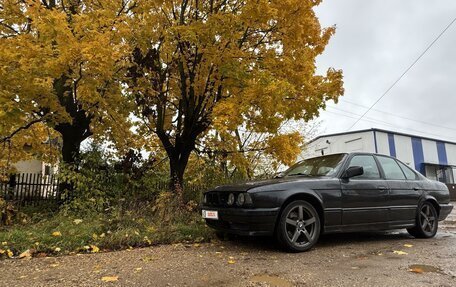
(218, 199)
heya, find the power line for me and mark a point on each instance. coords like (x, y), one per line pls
(394, 115)
(405, 72)
(375, 121)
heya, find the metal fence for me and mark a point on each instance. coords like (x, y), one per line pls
(29, 188)
(35, 189)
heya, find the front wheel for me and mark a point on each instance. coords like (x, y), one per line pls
(426, 222)
(298, 227)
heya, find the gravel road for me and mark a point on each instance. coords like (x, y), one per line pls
(361, 259)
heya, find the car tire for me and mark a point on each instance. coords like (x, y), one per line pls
(426, 221)
(298, 227)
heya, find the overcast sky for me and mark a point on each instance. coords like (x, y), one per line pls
(374, 44)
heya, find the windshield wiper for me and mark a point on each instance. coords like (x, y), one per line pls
(300, 174)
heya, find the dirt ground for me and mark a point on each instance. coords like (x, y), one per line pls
(361, 259)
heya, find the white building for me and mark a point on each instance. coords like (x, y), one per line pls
(434, 158)
(35, 166)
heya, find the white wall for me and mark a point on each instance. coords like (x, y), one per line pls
(430, 151)
(382, 143)
(362, 142)
(29, 166)
(404, 151)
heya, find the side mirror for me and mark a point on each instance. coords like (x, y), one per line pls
(353, 171)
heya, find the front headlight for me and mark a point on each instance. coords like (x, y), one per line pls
(230, 199)
(240, 199)
(244, 199)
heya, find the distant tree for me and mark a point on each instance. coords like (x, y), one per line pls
(60, 62)
(203, 70)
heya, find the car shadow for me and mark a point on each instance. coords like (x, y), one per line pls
(325, 241)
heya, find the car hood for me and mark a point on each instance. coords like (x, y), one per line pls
(274, 183)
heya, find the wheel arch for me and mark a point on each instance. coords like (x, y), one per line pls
(433, 201)
(313, 199)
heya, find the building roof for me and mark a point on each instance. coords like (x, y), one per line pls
(381, 130)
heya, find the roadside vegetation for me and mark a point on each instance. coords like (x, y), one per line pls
(109, 210)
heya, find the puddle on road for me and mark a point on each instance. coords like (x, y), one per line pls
(272, 280)
(422, 268)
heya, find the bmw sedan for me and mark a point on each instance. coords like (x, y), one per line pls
(334, 193)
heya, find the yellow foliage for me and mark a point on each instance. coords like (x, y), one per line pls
(76, 46)
(205, 71)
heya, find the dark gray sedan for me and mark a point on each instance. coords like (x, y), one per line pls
(333, 193)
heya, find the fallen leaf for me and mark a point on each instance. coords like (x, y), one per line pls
(9, 253)
(110, 278)
(417, 270)
(54, 265)
(57, 249)
(94, 248)
(77, 221)
(408, 245)
(148, 258)
(2, 251)
(196, 245)
(231, 261)
(26, 254)
(4, 243)
(138, 269)
(398, 252)
(56, 234)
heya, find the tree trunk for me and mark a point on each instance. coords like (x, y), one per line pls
(70, 148)
(178, 161)
(73, 133)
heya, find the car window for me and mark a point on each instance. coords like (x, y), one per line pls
(369, 166)
(391, 168)
(409, 173)
(327, 165)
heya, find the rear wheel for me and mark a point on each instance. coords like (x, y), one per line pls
(426, 222)
(299, 227)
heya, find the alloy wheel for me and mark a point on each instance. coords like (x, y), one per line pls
(427, 219)
(301, 226)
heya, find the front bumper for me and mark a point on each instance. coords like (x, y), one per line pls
(244, 221)
(445, 210)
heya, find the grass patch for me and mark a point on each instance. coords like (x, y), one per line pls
(59, 234)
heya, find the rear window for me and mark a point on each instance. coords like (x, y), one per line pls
(391, 168)
(409, 173)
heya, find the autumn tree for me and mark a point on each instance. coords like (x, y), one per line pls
(60, 62)
(201, 70)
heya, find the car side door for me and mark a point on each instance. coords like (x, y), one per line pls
(364, 197)
(409, 200)
(400, 196)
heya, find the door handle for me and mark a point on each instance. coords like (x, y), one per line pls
(416, 188)
(382, 188)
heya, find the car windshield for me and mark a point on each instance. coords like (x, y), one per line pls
(327, 165)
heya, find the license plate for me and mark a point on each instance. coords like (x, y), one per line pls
(210, 214)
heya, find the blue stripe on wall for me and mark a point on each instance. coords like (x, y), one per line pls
(441, 151)
(375, 142)
(418, 155)
(392, 145)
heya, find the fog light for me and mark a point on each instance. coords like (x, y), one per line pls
(230, 199)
